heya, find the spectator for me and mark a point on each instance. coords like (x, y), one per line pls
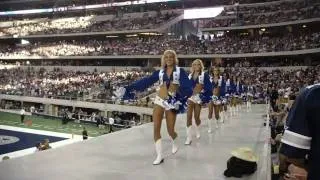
(84, 134)
(111, 122)
(274, 98)
(22, 113)
(296, 173)
(301, 136)
(93, 117)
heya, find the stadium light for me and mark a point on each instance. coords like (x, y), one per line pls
(202, 12)
(24, 42)
(131, 35)
(112, 36)
(151, 34)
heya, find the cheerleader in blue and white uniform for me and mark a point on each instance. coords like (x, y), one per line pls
(238, 93)
(250, 93)
(215, 105)
(223, 97)
(228, 94)
(171, 99)
(202, 94)
(233, 96)
(243, 93)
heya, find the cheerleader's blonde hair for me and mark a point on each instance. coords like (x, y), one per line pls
(163, 63)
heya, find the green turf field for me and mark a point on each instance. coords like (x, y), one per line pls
(47, 124)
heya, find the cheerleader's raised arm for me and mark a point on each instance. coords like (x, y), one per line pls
(140, 85)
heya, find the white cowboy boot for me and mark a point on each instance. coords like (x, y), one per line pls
(197, 128)
(209, 125)
(217, 124)
(231, 111)
(189, 136)
(159, 158)
(174, 145)
(222, 117)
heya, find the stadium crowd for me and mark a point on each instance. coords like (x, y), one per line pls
(155, 45)
(61, 84)
(239, 62)
(57, 83)
(266, 7)
(249, 18)
(86, 24)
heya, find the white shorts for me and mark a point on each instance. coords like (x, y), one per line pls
(196, 99)
(163, 103)
(218, 102)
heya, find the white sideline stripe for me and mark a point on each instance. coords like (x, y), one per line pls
(24, 152)
(297, 135)
(41, 132)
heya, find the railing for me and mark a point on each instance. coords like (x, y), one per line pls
(261, 25)
(81, 104)
(156, 28)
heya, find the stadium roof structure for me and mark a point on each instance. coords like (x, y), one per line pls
(12, 5)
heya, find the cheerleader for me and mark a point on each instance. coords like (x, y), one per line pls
(223, 96)
(202, 93)
(250, 93)
(243, 93)
(228, 95)
(215, 104)
(238, 93)
(171, 99)
(232, 92)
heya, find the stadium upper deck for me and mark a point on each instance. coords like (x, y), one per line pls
(125, 34)
(277, 13)
(11, 5)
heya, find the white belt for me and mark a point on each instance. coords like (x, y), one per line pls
(218, 102)
(172, 93)
(163, 103)
(195, 98)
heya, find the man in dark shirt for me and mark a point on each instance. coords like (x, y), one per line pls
(301, 136)
(274, 95)
(84, 134)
